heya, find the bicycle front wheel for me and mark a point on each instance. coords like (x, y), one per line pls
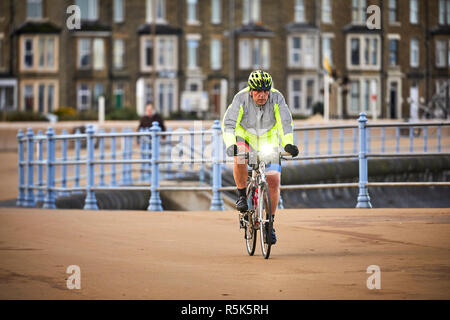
(265, 219)
(250, 232)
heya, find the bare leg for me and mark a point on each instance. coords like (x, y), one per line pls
(240, 173)
(273, 180)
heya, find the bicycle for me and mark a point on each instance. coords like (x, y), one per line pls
(259, 213)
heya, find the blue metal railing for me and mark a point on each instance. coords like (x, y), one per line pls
(172, 154)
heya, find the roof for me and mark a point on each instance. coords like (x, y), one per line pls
(38, 27)
(160, 29)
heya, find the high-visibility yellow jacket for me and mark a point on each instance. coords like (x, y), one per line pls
(257, 125)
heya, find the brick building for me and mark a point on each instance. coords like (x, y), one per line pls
(200, 52)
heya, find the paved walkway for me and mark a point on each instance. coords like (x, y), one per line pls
(321, 254)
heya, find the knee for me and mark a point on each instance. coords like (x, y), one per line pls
(273, 180)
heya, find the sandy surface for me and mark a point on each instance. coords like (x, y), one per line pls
(321, 254)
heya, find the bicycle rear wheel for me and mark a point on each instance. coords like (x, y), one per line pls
(250, 232)
(266, 220)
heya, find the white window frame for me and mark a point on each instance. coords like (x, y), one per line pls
(302, 94)
(2, 67)
(144, 66)
(441, 53)
(328, 53)
(98, 53)
(299, 11)
(326, 12)
(81, 52)
(119, 11)
(119, 54)
(303, 51)
(192, 52)
(393, 9)
(25, 52)
(360, 80)
(93, 10)
(295, 51)
(444, 12)
(216, 11)
(38, 5)
(87, 92)
(397, 40)
(192, 11)
(256, 55)
(46, 53)
(165, 83)
(35, 84)
(160, 13)
(4, 85)
(414, 11)
(251, 12)
(414, 47)
(216, 54)
(359, 8)
(362, 50)
(170, 61)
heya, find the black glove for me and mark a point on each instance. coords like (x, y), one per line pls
(232, 150)
(293, 150)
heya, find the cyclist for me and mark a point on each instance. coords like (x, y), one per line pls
(257, 117)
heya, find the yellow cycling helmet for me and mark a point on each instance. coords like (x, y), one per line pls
(260, 80)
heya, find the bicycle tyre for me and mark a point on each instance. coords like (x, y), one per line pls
(266, 220)
(250, 232)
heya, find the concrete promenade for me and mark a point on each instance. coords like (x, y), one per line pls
(321, 254)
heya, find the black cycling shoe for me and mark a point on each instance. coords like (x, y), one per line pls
(274, 237)
(241, 204)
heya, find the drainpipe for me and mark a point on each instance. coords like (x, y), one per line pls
(383, 71)
(427, 54)
(232, 53)
(11, 37)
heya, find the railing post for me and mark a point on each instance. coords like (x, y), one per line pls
(363, 196)
(142, 153)
(123, 175)
(40, 196)
(148, 153)
(77, 158)
(425, 139)
(49, 202)
(155, 200)
(90, 203)
(202, 156)
(216, 202)
(169, 175)
(21, 197)
(130, 157)
(439, 135)
(113, 182)
(397, 139)
(102, 157)
(64, 166)
(317, 142)
(306, 144)
(411, 139)
(383, 139)
(29, 197)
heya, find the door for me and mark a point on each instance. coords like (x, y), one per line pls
(414, 96)
(393, 100)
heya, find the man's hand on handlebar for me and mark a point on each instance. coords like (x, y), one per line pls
(293, 150)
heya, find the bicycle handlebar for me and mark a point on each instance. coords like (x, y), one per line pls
(282, 155)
